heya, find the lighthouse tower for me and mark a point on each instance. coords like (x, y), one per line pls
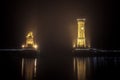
(80, 41)
(81, 38)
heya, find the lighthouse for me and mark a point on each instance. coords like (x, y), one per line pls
(80, 42)
(81, 38)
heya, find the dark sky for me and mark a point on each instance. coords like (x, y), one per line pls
(54, 22)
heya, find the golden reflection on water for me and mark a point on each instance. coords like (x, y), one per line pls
(28, 68)
(81, 68)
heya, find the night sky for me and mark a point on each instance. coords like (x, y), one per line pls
(54, 22)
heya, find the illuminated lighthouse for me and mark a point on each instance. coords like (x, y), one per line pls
(30, 43)
(80, 42)
(81, 39)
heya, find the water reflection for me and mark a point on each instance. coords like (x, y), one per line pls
(81, 68)
(63, 68)
(106, 68)
(28, 68)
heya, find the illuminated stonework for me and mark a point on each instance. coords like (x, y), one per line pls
(30, 43)
(81, 38)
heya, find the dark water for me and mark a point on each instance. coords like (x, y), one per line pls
(59, 68)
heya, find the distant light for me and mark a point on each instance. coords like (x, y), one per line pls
(23, 46)
(35, 46)
(82, 28)
(74, 46)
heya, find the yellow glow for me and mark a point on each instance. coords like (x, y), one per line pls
(30, 34)
(35, 46)
(81, 67)
(30, 43)
(23, 46)
(35, 67)
(81, 39)
(22, 67)
(29, 39)
(29, 68)
(74, 45)
(82, 28)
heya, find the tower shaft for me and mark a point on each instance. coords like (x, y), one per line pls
(81, 39)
